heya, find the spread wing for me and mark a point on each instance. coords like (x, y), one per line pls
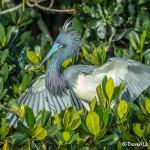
(135, 75)
(38, 97)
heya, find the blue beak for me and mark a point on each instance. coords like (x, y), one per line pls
(53, 50)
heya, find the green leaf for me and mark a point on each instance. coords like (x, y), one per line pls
(51, 131)
(38, 118)
(92, 122)
(60, 136)
(3, 56)
(84, 148)
(29, 117)
(39, 132)
(122, 108)
(73, 138)
(99, 111)
(117, 91)
(1, 84)
(16, 90)
(83, 122)
(88, 10)
(105, 116)
(12, 33)
(93, 103)
(33, 58)
(45, 117)
(110, 88)
(147, 105)
(109, 140)
(17, 136)
(19, 143)
(77, 25)
(134, 39)
(127, 136)
(101, 96)
(3, 93)
(22, 129)
(142, 40)
(57, 119)
(2, 33)
(4, 130)
(76, 119)
(24, 83)
(4, 71)
(67, 62)
(102, 30)
(137, 129)
(117, 20)
(101, 133)
(68, 119)
(146, 128)
(66, 136)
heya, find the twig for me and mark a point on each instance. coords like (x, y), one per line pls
(86, 138)
(54, 10)
(11, 9)
(90, 141)
(51, 4)
(113, 125)
(38, 1)
(36, 4)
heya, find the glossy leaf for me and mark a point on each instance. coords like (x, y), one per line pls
(2, 33)
(4, 130)
(105, 116)
(73, 138)
(66, 136)
(88, 10)
(76, 119)
(83, 122)
(22, 128)
(147, 105)
(29, 117)
(92, 122)
(33, 58)
(101, 96)
(137, 129)
(1, 84)
(93, 103)
(122, 108)
(38, 132)
(68, 119)
(51, 131)
(110, 88)
(109, 140)
(142, 40)
(3, 56)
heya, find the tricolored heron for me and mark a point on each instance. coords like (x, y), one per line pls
(55, 90)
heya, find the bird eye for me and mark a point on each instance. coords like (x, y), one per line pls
(57, 42)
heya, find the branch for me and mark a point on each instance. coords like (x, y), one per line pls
(11, 9)
(50, 9)
(51, 4)
(36, 4)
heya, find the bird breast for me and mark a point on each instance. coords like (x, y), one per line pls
(85, 87)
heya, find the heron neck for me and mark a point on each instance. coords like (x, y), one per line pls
(55, 82)
(57, 60)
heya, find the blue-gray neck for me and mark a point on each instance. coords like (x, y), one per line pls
(55, 81)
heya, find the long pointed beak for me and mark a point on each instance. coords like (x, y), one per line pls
(52, 50)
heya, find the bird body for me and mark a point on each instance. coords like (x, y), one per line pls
(55, 90)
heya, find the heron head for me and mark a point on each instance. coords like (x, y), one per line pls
(66, 38)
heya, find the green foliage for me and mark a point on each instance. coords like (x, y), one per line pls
(72, 128)
(115, 28)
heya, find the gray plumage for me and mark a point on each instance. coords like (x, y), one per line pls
(55, 90)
